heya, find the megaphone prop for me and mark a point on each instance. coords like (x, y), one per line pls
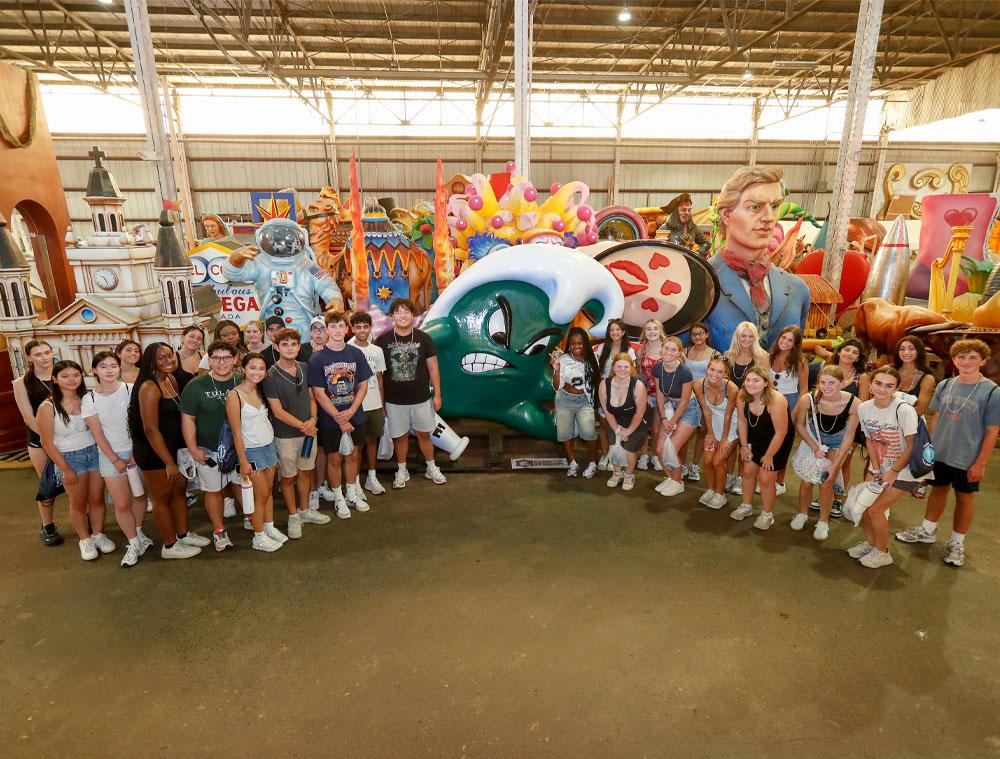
(443, 436)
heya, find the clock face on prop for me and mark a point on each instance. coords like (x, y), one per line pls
(106, 279)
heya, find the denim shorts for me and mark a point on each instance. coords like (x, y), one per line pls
(105, 466)
(82, 460)
(574, 417)
(263, 457)
(831, 440)
(692, 414)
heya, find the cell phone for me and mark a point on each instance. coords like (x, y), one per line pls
(253, 466)
(210, 463)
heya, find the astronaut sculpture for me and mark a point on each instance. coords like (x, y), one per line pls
(282, 268)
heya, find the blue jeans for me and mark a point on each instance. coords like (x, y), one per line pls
(574, 417)
(263, 457)
(82, 460)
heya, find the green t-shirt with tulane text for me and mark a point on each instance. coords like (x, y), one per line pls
(204, 398)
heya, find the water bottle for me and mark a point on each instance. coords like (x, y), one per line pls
(246, 495)
(135, 481)
(307, 446)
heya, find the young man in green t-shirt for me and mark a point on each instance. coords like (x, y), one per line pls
(203, 410)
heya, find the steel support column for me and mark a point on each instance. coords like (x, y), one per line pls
(883, 148)
(757, 108)
(522, 86)
(845, 178)
(149, 95)
(332, 141)
(616, 163)
(189, 225)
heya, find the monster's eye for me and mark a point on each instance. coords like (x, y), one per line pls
(499, 323)
(537, 347)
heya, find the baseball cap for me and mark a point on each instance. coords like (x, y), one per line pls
(317, 320)
(273, 320)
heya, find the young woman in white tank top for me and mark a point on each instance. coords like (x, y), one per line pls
(254, 439)
(71, 447)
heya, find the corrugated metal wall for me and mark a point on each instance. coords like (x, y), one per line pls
(224, 171)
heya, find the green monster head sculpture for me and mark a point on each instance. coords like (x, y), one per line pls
(495, 325)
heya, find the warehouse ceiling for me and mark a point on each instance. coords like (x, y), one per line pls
(717, 47)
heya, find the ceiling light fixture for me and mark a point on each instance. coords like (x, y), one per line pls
(747, 75)
(625, 15)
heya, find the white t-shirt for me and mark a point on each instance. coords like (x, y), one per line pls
(573, 372)
(606, 371)
(376, 361)
(885, 429)
(112, 413)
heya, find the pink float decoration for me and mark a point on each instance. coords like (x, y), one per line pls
(476, 203)
(555, 188)
(497, 221)
(510, 167)
(530, 194)
(461, 224)
(583, 213)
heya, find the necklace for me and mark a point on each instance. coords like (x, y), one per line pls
(170, 385)
(705, 385)
(297, 383)
(738, 377)
(218, 393)
(673, 376)
(396, 340)
(849, 379)
(956, 412)
(833, 424)
(750, 412)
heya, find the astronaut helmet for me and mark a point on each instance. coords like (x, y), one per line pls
(281, 238)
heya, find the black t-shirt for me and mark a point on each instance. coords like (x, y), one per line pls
(407, 381)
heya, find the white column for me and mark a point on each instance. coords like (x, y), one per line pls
(522, 87)
(152, 107)
(845, 178)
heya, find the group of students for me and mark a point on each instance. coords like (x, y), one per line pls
(745, 406)
(158, 425)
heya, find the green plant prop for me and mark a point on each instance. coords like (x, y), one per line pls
(976, 273)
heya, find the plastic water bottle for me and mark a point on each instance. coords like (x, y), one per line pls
(135, 481)
(246, 495)
(307, 446)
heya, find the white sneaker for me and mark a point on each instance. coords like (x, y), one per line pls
(573, 469)
(657, 466)
(693, 473)
(228, 508)
(742, 511)
(707, 497)
(875, 559)
(88, 551)
(718, 501)
(355, 500)
(194, 540)
(313, 517)
(671, 488)
(144, 543)
(179, 550)
(590, 471)
(779, 488)
(400, 480)
(103, 543)
(294, 527)
(684, 471)
(729, 483)
(737, 488)
(764, 520)
(314, 500)
(247, 524)
(435, 475)
(149, 505)
(360, 491)
(131, 557)
(373, 486)
(643, 462)
(629, 482)
(275, 534)
(602, 463)
(343, 512)
(860, 549)
(756, 488)
(325, 492)
(662, 484)
(263, 543)
(822, 531)
(799, 522)
(616, 478)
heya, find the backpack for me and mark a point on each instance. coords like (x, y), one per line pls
(922, 454)
(225, 453)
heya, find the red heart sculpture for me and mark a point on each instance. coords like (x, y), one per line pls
(963, 218)
(650, 304)
(657, 261)
(670, 288)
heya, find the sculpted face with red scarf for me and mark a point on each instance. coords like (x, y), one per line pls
(752, 288)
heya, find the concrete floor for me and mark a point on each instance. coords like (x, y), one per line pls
(510, 615)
